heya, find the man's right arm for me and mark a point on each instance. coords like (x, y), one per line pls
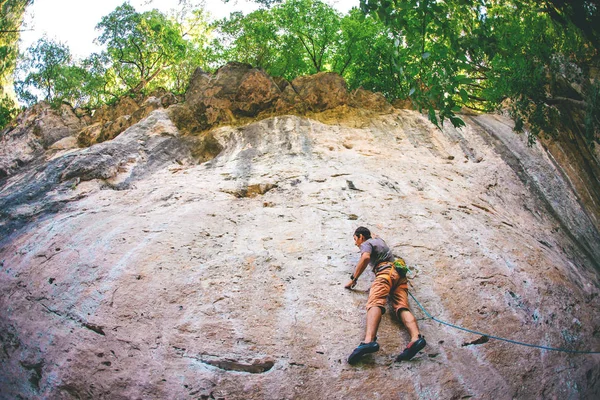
(360, 267)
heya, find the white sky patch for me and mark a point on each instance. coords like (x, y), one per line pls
(73, 22)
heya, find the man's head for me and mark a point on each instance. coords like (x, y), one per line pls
(361, 234)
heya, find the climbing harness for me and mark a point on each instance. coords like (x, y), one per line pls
(399, 265)
(496, 337)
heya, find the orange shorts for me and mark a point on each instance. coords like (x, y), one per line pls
(381, 289)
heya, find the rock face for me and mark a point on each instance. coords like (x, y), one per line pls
(132, 270)
(33, 132)
(318, 92)
(139, 151)
(110, 121)
(237, 92)
(43, 127)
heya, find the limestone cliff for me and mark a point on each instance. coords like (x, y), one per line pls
(202, 252)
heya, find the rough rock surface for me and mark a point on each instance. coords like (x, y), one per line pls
(140, 150)
(318, 92)
(111, 120)
(43, 127)
(33, 132)
(237, 92)
(134, 272)
(372, 101)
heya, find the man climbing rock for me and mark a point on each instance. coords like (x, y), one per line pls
(389, 281)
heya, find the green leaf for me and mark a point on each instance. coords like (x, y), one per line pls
(456, 121)
(463, 79)
(432, 117)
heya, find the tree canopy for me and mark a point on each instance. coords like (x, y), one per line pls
(140, 46)
(11, 19)
(538, 59)
(46, 64)
(142, 51)
(296, 37)
(533, 56)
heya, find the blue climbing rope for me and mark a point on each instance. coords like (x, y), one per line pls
(496, 337)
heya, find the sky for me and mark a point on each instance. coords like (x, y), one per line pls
(73, 22)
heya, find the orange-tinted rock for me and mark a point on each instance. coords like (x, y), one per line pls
(114, 119)
(323, 91)
(403, 104)
(368, 100)
(236, 90)
(125, 106)
(89, 135)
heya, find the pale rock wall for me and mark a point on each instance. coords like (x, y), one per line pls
(224, 279)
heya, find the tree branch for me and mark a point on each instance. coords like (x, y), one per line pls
(562, 100)
(15, 30)
(311, 55)
(476, 98)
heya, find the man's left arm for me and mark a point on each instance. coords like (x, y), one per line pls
(360, 267)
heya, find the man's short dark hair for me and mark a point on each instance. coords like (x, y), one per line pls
(361, 230)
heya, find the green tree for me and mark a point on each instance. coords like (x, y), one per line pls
(483, 53)
(48, 69)
(140, 46)
(7, 110)
(545, 81)
(266, 3)
(364, 55)
(144, 51)
(295, 37)
(194, 27)
(100, 84)
(430, 62)
(11, 18)
(315, 26)
(254, 39)
(583, 14)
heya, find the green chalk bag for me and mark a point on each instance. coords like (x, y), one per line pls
(401, 267)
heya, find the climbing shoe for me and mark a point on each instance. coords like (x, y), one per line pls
(412, 349)
(361, 350)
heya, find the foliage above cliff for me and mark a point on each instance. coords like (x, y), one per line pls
(481, 53)
(11, 18)
(142, 51)
(538, 58)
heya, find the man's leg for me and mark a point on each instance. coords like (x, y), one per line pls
(417, 342)
(410, 322)
(373, 320)
(377, 300)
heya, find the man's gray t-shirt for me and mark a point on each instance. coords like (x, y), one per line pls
(379, 251)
